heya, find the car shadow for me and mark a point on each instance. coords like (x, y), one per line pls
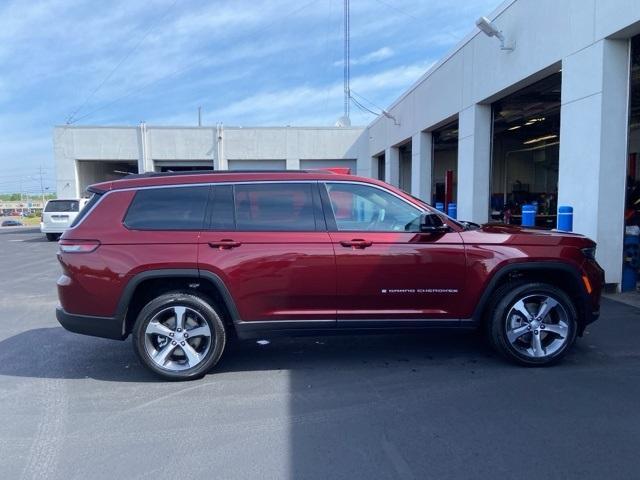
(41, 239)
(56, 353)
(354, 352)
(59, 354)
(19, 231)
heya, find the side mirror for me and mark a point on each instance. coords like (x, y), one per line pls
(432, 223)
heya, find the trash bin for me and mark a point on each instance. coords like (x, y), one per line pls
(565, 218)
(631, 263)
(528, 216)
(452, 210)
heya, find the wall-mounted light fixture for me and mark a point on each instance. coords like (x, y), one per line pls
(490, 30)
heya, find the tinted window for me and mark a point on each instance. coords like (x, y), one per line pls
(361, 207)
(88, 206)
(221, 213)
(62, 206)
(274, 207)
(179, 208)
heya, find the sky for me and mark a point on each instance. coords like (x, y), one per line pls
(245, 62)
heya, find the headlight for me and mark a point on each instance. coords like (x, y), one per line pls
(589, 253)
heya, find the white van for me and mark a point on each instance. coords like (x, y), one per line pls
(58, 215)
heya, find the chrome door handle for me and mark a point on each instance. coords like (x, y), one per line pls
(356, 243)
(224, 244)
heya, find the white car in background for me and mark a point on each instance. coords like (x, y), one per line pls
(58, 215)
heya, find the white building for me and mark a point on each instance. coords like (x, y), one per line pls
(555, 120)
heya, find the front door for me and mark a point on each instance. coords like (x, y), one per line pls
(268, 243)
(386, 268)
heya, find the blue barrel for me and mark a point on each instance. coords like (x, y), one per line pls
(629, 278)
(528, 216)
(452, 210)
(565, 218)
(440, 206)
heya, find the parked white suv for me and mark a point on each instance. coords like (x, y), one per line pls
(58, 215)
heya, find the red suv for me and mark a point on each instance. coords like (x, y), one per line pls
(184, 261)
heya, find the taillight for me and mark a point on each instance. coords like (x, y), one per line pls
(78, 246)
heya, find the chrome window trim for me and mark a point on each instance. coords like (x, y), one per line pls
(251, 182)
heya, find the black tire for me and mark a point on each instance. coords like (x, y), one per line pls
(205, 308)
(52, 237)
(498, 324)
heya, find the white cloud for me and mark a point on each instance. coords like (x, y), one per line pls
(371, 57)
(289, 106)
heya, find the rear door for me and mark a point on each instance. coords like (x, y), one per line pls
(268, 242)
(387, 269)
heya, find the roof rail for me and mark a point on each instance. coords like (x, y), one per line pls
(215, 172)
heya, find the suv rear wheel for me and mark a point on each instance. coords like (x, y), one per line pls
(179, 336)
(52, 236)
(532, 324)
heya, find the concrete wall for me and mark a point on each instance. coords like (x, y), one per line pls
(86, 155)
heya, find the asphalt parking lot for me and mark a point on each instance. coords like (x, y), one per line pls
(437, 405)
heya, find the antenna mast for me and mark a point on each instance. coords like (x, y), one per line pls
(345, 121)
(347, 73)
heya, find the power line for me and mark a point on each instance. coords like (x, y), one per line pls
(363, 108)
(367, 100)
(122, 60)
(188, 67)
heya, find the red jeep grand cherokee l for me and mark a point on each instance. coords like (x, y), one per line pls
(183, 261)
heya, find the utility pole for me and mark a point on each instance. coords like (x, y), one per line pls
(41, 186)
(199, 116)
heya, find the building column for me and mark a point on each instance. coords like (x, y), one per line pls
(474, 163)
(145, 162)
(421, 162)
(392, 166)
(293, 163)
(593, 146)
(292, 159)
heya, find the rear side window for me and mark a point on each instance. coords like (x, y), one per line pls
(62, 206)
(221, 212)
(275, 207)
(88, 206)
(176, 208)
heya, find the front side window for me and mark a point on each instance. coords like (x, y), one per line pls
(274, 207)
(358, 207)
(174, 208)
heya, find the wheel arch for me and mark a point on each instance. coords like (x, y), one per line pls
(144, 286)
(560, 274)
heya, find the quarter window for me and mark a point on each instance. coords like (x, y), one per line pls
(177, 208)
(359, 207)
(274, 207)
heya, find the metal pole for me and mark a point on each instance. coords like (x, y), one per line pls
(199, 116)
(41, 186)
(347, 89)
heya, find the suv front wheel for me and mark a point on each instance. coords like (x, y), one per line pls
(179, 336)
(532, 324)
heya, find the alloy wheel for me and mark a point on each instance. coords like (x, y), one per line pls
(537, 326)
(177, 338)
